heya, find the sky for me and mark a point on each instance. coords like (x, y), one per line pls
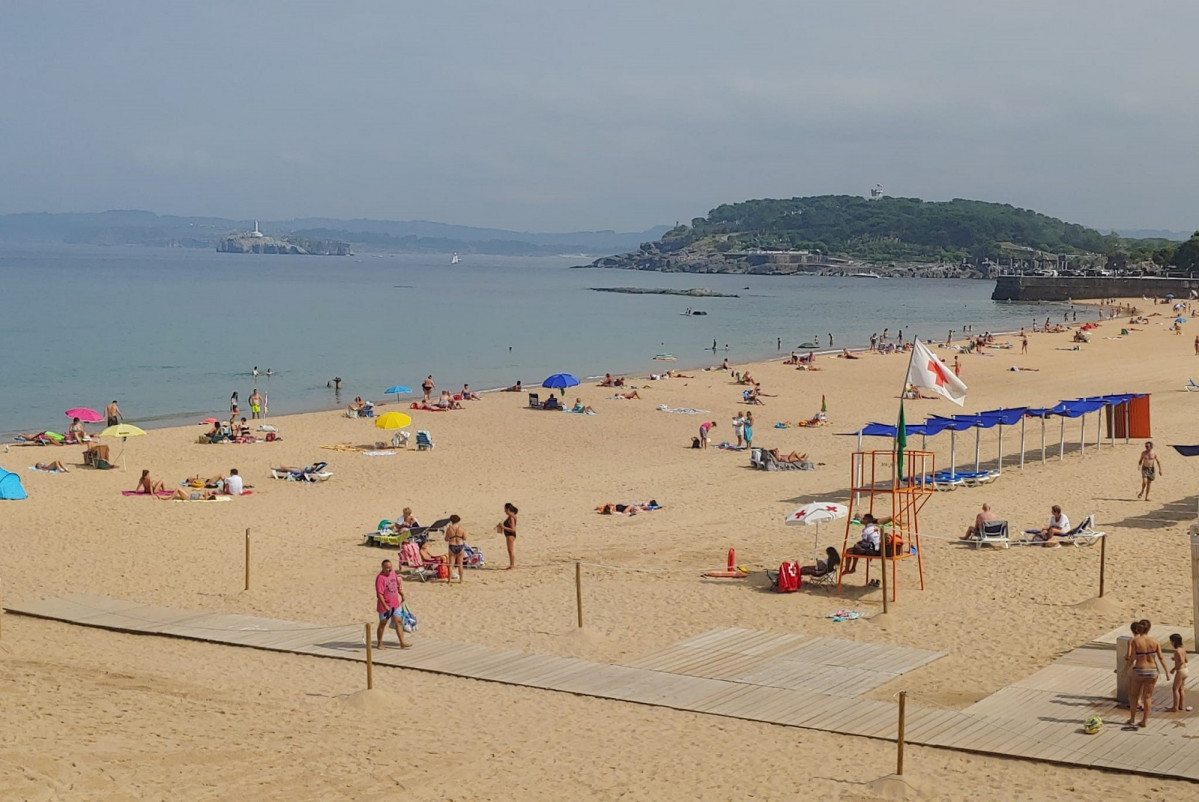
(620, 114)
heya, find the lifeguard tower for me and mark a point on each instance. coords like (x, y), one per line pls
(879, 490)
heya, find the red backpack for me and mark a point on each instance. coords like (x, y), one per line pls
(789, 579)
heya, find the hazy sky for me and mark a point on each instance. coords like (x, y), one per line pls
(617, 114)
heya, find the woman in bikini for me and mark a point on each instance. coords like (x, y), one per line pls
(455, 537)
(508, 528)
(148, 486)
(1144, 653)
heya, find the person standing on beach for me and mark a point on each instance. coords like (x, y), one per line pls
(255, 404)
(748, 429)
(113, 413)
(739, 428)
(780, 344)
(704, 428)
(1197, 345)
(233, 402)
(1151, 468)
(1024, 342)
(1141, 660)
(389, 597)
(957, 367)
(830, 339)
(455, 538)
(427, 385)
(508, 527)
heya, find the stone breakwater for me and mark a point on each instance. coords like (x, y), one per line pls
(1065, 288)
(695, 292)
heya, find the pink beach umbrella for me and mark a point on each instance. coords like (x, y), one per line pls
(85, 415)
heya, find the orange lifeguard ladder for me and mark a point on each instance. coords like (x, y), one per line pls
(878, 490)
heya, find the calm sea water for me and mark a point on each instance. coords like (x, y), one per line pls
(172, 333)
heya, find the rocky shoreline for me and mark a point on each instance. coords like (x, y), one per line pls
(662, 257)
(292, 246)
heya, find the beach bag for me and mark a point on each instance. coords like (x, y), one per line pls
(894, 545)
(789, 580)
(695, 442)
(407, 619)
(271, 437)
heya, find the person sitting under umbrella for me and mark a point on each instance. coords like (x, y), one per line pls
(76, 433)
(822, 567)
(552, 403)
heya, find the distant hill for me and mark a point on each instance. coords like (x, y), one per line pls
(123, 227)
(886, 229)
(1155, 234)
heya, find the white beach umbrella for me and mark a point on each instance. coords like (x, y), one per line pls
(816, 513)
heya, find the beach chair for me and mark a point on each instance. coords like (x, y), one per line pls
(1190, 385)
(827, 580)
(309, 473)
(384, 536)
(423, 440)
(400, 440)
(992, 532)
(755, 459)
(1085, 534)
(411, 561)
(420, 535)
(534, 401)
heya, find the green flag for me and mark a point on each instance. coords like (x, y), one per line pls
(901, 441)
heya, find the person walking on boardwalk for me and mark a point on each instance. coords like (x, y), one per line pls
(1151, 468)
(389, 598)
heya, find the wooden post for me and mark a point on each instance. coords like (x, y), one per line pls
(1195, 577)
(579, 591)
(1102, 562)
(370, 663)
(903, 701)
(882, 549)
(247, 559)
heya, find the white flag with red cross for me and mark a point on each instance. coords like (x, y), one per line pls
(930, 373)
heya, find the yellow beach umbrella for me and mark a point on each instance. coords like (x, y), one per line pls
(123, 431)
(393, 420)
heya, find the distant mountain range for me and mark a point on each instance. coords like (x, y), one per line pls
(412, 236)
(1154, 233)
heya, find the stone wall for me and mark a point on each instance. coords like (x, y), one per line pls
(1061, 288)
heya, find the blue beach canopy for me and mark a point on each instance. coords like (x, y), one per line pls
(10, 486)
(560, 381)
(397, 389)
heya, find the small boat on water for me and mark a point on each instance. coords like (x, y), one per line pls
(867, 274)
(665, 357)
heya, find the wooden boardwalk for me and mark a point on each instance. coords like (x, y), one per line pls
(775, 677)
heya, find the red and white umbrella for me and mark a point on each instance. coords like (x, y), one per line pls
(815, 514)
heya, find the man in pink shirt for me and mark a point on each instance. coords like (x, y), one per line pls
(389, 595)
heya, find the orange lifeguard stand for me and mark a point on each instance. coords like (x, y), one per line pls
(874, 475)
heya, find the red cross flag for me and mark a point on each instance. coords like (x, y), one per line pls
(928, 372)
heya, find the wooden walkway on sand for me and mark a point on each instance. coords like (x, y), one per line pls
(775, 677)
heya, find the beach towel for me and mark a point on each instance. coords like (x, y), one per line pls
(162, 493)
(845, 615)
(682, 410)
(378, 453)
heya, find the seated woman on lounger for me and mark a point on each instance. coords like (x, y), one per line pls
(51, 467)
(794, 456)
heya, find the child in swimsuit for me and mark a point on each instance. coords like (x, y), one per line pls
(1180, 674)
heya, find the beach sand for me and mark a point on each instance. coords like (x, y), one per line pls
(94, 714)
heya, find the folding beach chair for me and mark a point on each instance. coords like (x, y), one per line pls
(423, 440)
(534, 401)
(992, 532)
(1190, 385)
(1085, 534)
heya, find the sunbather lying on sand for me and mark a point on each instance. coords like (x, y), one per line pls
(631, 395)
(40, 437)
(182, 495)
(845, 354)
(628, 509)
(56, 465)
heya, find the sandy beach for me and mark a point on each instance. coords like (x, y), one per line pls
(90, 714)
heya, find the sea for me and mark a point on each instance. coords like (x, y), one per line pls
(172, 333)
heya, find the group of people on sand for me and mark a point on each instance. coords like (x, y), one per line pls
(1141, 661)
(197, 488)
(610, 381)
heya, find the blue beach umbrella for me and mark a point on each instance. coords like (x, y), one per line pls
(560, 381)
(397, 389)
(1180, 320)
